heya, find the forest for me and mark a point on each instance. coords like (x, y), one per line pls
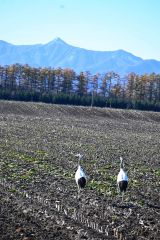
(65, 86)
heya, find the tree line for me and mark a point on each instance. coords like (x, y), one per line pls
(64, 86)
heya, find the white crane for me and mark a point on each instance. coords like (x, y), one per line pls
(80, 175)
(122, 179)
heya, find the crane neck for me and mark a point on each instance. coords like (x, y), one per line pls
(78, 161)
(121, 164)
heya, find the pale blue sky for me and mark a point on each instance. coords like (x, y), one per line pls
(104, 25)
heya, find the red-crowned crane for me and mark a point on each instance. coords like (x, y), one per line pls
(122, 179)
(80, 175)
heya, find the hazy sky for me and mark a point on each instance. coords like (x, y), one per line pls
(131, 25)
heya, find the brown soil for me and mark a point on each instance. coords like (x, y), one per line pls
(38, 194)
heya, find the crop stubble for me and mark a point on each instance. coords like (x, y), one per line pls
(37, 165)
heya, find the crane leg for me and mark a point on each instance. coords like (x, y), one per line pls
(122, 196)
(79, 190)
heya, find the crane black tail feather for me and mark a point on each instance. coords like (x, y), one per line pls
(82, 182)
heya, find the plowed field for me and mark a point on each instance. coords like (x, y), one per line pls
(38, 193)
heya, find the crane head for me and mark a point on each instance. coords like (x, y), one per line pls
(80, 156)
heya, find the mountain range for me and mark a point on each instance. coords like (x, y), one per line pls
(58, 53)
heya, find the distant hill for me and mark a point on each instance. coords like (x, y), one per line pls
(58, 53)
(51, 110)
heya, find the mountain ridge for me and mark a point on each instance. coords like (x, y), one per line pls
(58, 53)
